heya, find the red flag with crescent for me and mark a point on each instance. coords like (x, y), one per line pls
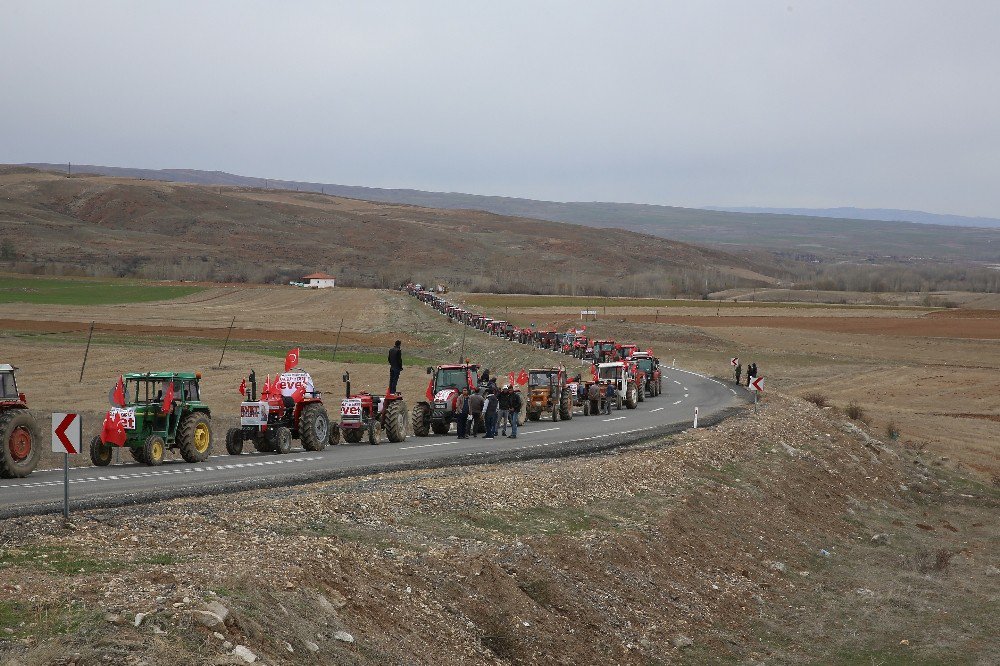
(292, 359)
(168, 399)
(119, 396)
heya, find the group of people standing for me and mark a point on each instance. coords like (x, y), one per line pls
(751, 372)
(488, 410)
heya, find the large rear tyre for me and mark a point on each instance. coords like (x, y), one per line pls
(395, 421)
(154, 449)
(281, 439)
(421, 420)
(234, 441)
(314, 427)
(353, 435)
(194, 437)
(374, 432)
(19, 437)
(440, 427)
(100, 453)
(566, 406)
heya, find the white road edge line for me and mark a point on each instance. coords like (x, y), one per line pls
(617, 418)
(656, 410)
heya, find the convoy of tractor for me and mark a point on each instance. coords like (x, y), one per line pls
(156, 412)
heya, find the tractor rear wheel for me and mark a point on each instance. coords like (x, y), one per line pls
(640, 394)
(153, 450)
(566, 407)
(100, 453)
(395, 421)
(280, 439)
(421, 419)
(234, 441)
(334, 439)
(314, 427)
(440, 427)
(194, 437)
(19, 437)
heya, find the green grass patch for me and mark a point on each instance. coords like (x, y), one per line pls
(80, 291)
(63, 561)
(495, 301)
(346, 356)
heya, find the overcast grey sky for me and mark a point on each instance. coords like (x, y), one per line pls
(743, 102)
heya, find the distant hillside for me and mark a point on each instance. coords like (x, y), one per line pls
(801, 237)
(883, 214)
(118, 226)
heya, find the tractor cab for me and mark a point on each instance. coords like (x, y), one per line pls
(625, 351)
(604, 351)
(8, 385)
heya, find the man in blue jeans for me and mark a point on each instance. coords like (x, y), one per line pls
(514, 413)
(490, 414)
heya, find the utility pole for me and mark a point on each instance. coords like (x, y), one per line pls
(69, 168)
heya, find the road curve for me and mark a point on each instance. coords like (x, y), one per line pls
(132, 483)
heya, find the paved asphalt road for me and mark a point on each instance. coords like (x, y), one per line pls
(132, 483)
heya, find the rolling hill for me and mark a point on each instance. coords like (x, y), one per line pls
(97, 225)
(803, 237)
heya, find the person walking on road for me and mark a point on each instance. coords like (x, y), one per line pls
(514, 413)
(490, 413)
(395, 365)
(462, 414)
(476, 405)
(739, 373)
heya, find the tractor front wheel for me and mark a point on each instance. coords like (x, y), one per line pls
(630, 396)
(641, 393)
(555, 411)
(421, 419)
(194, 437)
(353, 435)
(395, 421)
(566, 406)
(100, 453)
(153, 450)
(234, 441)
(314, 427)
(534, 416)
(262, 442)
(374, 432)
(281, 439)
(19, 437)
(440, 427)
(334, 438)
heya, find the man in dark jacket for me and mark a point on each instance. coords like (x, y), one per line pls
(462, 414)
(395, 365)
(490, 414)
(503, 409)
(476, 404)
(514, 413)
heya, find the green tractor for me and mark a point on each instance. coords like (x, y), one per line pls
(141, 421)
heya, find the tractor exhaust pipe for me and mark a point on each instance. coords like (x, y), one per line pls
(347, 381)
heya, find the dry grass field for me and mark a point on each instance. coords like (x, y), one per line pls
(933, 372)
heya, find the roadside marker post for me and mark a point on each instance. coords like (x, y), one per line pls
(695, 417)
(67, 433)
(757, 385)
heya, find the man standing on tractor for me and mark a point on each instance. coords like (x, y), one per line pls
(395, 365)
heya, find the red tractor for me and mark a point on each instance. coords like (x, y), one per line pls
(605, 351)
(364, 413)
(19, 435)
(446, 384)
(625, 351)
(288, 409)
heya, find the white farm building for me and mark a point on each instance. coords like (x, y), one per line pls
(319, 281)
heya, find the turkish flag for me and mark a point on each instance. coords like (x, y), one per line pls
(430, 390)
(522, 377)
(168, 399)
(113, 431)
(593, 372)
(299, 393)
(292, 359)
(119, 395)
(243, 387)
(510, 378)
